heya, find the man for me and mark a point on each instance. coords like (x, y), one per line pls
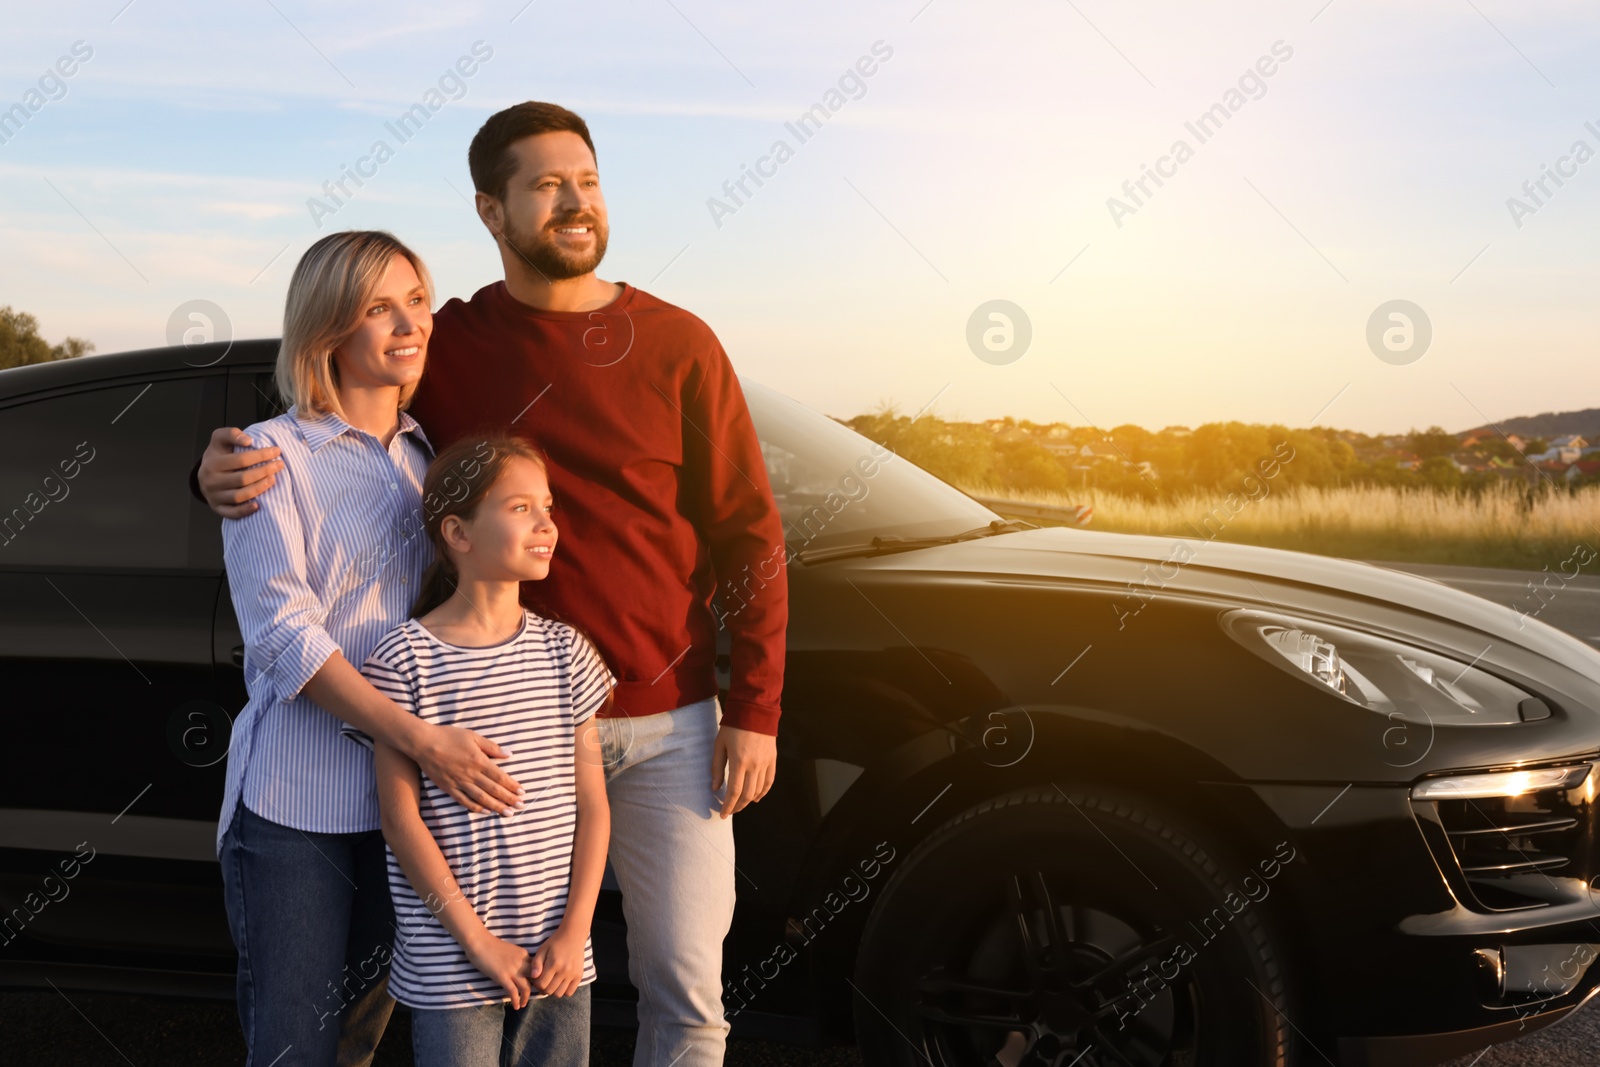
(661, 493)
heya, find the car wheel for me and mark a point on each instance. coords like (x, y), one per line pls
(1068, 929)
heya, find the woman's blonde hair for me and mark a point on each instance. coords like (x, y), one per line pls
(330, 290)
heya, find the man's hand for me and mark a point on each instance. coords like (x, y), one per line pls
(462, 764)
(230, 480)
(751, 760)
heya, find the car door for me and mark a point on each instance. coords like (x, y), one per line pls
(111, 735)
(252, 397)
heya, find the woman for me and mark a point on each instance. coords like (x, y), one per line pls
(328, 564)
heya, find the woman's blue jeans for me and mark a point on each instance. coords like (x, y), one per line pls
(312, 922)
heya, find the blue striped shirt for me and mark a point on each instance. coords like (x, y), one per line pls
(329, 562)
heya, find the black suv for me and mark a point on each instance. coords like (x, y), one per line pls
(1045, 796)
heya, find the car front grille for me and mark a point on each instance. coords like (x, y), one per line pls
(1510, 853)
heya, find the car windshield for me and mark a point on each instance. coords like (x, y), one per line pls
(835, 487)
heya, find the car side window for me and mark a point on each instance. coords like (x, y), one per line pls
(88, 478)
(269, 404)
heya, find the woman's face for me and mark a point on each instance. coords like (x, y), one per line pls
(391, 343)
(511, 537)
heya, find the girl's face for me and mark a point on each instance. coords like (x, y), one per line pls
(512, 537)
(391, 343)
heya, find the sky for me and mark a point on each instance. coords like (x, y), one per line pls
(984, 158)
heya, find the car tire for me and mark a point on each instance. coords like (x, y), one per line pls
(956, 964)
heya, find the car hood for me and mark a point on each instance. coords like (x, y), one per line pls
(1272, 579)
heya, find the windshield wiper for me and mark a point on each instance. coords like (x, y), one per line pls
(895, 543)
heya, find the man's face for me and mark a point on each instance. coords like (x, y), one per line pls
(553, 214)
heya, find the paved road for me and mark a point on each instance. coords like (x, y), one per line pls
(1572, 604)
(49, 1029)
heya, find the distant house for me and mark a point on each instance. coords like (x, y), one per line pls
(1484, 435)
(1563, 456)
(1014, 434)
(1105, 454)
(1569, 440)
(1584, 468)
(1407, 461)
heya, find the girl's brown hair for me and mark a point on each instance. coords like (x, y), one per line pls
(456, 483)
(330, 289)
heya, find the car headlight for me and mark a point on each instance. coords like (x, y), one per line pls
(1396, 680)
(1506, 784)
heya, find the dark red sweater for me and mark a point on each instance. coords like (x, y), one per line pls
(658, 479)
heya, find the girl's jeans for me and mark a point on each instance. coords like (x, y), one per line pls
(549, 1032)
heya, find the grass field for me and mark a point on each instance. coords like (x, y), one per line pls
(1498, 528)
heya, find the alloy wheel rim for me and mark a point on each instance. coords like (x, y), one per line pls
(1036, 980)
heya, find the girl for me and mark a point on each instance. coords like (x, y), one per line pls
(324, 567)
(492, 949)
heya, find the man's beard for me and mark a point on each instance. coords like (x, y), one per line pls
(549, 259)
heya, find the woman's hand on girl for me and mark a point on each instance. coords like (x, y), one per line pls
(557, 968)
(505, 963)
(462, 764)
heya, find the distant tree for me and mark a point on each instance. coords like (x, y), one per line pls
(1222, 452)
(1439, 472)
(958, 452)
(1026, 466)
(1433, 441)
(1498, 447)
(20, 343)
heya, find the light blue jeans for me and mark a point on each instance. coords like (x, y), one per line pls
(548, 1032)
(672, 854)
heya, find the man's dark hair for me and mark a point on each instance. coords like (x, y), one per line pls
(489, 156)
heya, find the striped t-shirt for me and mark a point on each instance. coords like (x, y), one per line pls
(526, 694)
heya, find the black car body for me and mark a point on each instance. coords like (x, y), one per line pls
(1027, 777)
